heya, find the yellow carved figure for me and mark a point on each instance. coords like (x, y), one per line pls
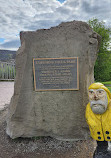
(98, 112)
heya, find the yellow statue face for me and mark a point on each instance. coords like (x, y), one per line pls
(98, 100)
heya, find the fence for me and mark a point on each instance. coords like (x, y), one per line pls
(7, 70)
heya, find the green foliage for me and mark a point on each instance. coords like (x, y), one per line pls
(102, 69)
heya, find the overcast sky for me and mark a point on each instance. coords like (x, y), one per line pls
(26, 15)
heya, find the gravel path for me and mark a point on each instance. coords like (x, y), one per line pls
(44, 147)
(41, 147)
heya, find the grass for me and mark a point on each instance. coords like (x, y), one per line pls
(109, 88)
(108, 82)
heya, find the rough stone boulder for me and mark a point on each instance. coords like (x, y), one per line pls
(59, 114)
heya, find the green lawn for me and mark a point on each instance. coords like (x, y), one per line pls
(108, 82)
(109, 88)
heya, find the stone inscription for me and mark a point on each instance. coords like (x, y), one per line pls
(55, 73)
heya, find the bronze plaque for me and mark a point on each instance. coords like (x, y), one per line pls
(55, 74)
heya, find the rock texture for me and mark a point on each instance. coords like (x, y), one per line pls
(58, 114)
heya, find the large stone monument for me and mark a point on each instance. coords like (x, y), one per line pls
(54, 68)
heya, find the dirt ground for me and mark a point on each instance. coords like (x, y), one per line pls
(43, 147)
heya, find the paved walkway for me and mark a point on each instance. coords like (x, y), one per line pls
(6, 92)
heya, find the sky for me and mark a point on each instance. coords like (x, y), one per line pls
(30, 15)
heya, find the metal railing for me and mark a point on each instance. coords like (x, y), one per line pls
(7, 70)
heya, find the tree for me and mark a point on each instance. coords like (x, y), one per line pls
(102, 69)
